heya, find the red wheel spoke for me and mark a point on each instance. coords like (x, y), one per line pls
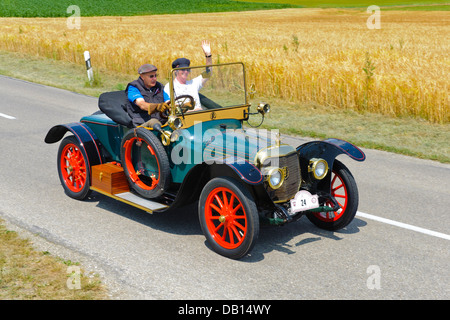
(334, 179)
(234, 210)
(225, 200)
(218, 227)
(338, 187)
(225, 229)
(240, 226)
(213, 206)
(230, 203)
(218, 201)
(230, 235)
(235, 231)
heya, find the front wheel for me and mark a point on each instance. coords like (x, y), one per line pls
(228, 217)
(345, 191)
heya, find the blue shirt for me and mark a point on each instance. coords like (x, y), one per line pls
(134, 93)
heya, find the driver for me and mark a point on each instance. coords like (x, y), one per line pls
(146, 98)
(181, 84)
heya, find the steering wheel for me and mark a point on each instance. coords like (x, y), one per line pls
(184, 103)
(165, 114)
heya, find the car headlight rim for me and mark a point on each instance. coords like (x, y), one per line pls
(175, 123)
(319, 168)
(275, 178)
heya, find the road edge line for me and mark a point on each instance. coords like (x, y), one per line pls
(403, 225)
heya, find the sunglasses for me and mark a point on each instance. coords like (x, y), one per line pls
(151, 76)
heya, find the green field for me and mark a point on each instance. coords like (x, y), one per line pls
(51, 8)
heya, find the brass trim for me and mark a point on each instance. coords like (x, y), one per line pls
(238, 113)
(292, 178)
(165, 138)
(282, 172)
(172, 122)
(312, 167)
(266, 153)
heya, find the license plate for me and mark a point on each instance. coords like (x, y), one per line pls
(304, 200)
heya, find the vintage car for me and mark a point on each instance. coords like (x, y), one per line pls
(240, 175)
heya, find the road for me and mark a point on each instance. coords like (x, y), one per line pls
(164, 256)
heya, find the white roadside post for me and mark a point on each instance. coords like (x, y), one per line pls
(90, 73)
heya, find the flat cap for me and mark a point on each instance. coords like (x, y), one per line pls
(181, 63)
(146, 68)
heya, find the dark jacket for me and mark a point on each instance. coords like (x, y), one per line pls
(152, 95)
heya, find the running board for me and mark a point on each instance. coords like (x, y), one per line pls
(134, 200)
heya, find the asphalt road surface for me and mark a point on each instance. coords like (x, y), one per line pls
(164, 256)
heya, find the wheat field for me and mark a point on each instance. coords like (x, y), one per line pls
(327, 56)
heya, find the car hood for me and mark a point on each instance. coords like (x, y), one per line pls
(251, 145)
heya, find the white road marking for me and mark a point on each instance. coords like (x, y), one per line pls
(6, 116)
(403, 225)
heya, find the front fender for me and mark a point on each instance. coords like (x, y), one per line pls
(349, 149)
(86, 137)
(246, 171)
(329, 149)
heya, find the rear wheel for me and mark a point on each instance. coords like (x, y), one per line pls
(228, 217)
(345, 191)
(73, 168)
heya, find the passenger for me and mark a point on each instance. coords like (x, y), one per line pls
(146, 98)
(181, 84)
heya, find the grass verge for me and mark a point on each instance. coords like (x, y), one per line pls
(27, 274)
(407, 136)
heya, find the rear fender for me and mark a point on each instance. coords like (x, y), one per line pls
(86, 137)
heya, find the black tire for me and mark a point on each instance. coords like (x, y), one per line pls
(346, 193)
(145, 163)
(231, 234)
(73, 168)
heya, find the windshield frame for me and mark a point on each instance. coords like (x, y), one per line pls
(171, 88)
